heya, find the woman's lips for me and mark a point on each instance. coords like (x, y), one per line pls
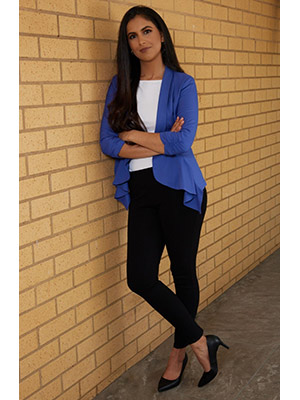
(144, 49)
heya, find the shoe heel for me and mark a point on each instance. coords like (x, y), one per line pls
(224, 345)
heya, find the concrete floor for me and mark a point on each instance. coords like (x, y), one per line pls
(246, 317)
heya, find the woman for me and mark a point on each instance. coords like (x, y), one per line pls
(149, 124)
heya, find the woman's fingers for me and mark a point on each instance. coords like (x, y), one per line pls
(177, 124)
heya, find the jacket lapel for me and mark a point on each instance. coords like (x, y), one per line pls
(161, 118)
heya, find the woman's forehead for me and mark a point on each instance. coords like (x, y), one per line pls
(138, 23)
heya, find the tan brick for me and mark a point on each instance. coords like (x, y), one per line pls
(90, 307)
(29, 385)
(91, 344)
(28, 46)
(166, 5)
(25, 257)
(45, 162)
(105, 71)
(61, 93)
(211, 56)
(78, 71)
(26, 301)
(38, 23)
(117, 291)
(58, 48)
(36, 274)
(73, 297)
(52, 247)
(108, 315)
(70, 394)
(88, 270)
(104, 244)
(36, 317)
(203, 9)
(41, 117)
(194, 24)
(123, 356)
(220, 71)
(56, 327)
(207, 292)
(203, 40)
(193, 56)
(109, 349)
(94, 8)
(101, 208)
(212, 115)
(107, 30)
(27, 3)
(84, 154)
(90, 50)
(49, 392)
(220, 42)
(24, 212)
(22, 167)
(38, 71)
(115, 221)
(69, 219)
(87, 232)
(148, 337)
(183, 38)
(38, 359)
(62, 137)
(76, 27)
(115, 257)
(54, 287)
(242, 30)
(58, 366)
(76, 335)
(94, 91)
(105, 281)
(212, 85)
(82, 113)
(98, 375)
(68, 178)
(28, 343)
(227, 85)
(136, 330)
(212, 26)
(66, 6)
(30, 95)
(220, 13)
(49, 204)
(86, 194)
(32, 141)
(34, 231)
(185, 6)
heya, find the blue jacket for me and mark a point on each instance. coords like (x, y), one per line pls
(177, 168)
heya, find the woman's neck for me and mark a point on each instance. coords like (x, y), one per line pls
(153, 70)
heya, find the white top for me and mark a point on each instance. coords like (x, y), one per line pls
(147, 97)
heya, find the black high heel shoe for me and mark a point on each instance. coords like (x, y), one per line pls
(213, 343)
(166, 384)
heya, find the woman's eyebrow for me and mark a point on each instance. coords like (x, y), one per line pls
(148, 26)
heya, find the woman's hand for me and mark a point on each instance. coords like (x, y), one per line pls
(125, 135)
(177, 124)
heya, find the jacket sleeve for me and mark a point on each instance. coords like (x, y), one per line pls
(110, 142)
(180, 142)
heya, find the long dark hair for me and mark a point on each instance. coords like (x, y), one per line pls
(123, 113)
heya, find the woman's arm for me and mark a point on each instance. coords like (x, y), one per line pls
(136, 151)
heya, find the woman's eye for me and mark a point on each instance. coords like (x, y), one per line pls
(131, 37)
(147, 31)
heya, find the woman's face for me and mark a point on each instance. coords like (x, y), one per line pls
(144, 39)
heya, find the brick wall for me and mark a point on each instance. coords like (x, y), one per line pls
(80, 326)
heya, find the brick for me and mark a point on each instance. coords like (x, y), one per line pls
(25, 257)
(49, 392)
(61, 93)
(203, 71)
(38, 273)
(90, 50)
(28, 47)
(34, 231)
(123, 356)
(135, 330)
(83, 154)
(115, 221)
(38, 359)
(45, 162)
(73, 297)
(33, 187)
(37, 23)
(90, 307)
(104, 244)
(66, 6)
(41, 117)
(91, 344)
(27, 3)
(220, 71)
(106, 316)
(220, 42)
(94, 91)
(203, 40)
(58, 48)
(69, 219)
(30, 95)
(166, 5)
(101, 208)
(193, 56)
(21, 120)
(71, 259)
(203, 9)
(212, 85)
(61, 137)
(88, 270)
(76, 27)
(185, 6)
(58, 366)
(52, 247)
(148, 337)
(211, 56)
(94, 8)
(49, 204)
(85, 194)
(32, 141)
(98, 375)
(78, 71)
(26, 301)
(117, 291)
(194, 24)
(105, 281)
(212, 26)
(109, 349)
(183, 38)
(27, 344)
(24, 212)
(242, 31)
(38, 71)
(82, 113)
(219, 13)
(57, 326)
(67, 179)
(29, 385)
(87, 232)
(107, 30)
(36, 317)
(54, 287)
(105, 71)
(76, 335)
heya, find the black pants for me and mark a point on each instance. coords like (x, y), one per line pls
(157, 217)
